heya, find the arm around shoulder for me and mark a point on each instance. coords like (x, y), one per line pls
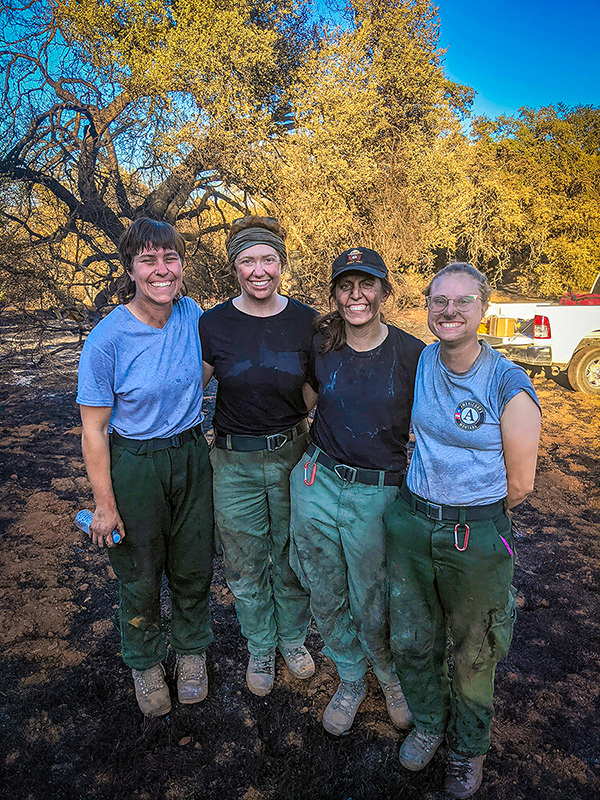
(520, 428)
(310, 396)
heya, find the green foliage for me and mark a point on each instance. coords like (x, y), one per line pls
(197, 111)
(536, 198)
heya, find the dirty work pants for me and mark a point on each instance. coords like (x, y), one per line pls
(436, 590)
(165, 502)
(337, 549)
(252, 509)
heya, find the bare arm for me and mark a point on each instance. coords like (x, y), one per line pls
(310, 396)
(520, 428)
(207, 373)
(96, 455)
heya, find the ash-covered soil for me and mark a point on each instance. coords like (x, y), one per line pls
(70, 726)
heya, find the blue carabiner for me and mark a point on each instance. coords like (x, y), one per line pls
(312, 474)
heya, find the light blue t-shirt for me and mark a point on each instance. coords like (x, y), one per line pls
(458, 458)
(151, 377)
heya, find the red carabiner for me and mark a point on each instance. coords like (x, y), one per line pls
(312, 474)
(465, 540)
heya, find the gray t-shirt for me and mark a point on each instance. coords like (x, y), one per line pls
(150, 377)
(458, 458)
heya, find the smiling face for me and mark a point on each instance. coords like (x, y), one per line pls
(157, 275)
(359, 297)
(452, 326)
(258, 270)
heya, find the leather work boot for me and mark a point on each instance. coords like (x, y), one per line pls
(261, 674)
(192, 678)
(299, 661)
(396, 703)
(418, 749)
(339, 714)
(151, 691)
(464, 775)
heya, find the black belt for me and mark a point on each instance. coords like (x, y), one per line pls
(451, 513)
(356, 474)
(148, 446)
(252, 444)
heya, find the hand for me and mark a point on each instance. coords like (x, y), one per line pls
(103, 524)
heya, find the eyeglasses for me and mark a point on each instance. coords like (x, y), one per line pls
(438, 302)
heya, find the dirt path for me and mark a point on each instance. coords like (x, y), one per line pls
(69, 722)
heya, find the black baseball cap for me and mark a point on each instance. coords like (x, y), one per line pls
(359, 259)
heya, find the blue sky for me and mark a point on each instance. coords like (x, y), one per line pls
(529, 53)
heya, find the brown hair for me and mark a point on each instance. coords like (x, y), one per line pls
(145, 233)
(461, 267)
(331, 325)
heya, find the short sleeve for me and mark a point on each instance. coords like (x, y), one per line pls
(514, 380)
(96, 377)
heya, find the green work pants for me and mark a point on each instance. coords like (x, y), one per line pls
(164, 499)
(252, 509)
(437, 591)
(338, 551)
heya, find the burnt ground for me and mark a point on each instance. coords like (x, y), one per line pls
(69, 723)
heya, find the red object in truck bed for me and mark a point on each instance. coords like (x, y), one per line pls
(570, 299)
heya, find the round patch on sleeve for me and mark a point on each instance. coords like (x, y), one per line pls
(469, 415)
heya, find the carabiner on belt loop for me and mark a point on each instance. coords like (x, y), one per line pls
(465, 540)
(312, 474)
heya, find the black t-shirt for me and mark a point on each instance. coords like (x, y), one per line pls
(260, 364)
(365, 399)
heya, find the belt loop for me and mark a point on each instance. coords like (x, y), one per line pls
(412, 500)
(228, 442)
(315, 456)
(295, 432)
(150, 448)
(381, 482)
(462, 516)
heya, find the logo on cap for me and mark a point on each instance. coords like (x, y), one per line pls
(354, 257)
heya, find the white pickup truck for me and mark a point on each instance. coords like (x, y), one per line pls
(561, 337)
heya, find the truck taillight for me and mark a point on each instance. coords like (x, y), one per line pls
(541, 327)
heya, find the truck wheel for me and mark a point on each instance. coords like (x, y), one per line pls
(584, 370)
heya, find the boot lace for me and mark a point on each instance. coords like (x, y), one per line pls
(393, 694)
(263, 665)
(460, 768)
(349, 695)
(191, 668)
(425, 741)
(150, 680)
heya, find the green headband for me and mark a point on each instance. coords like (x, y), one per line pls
(251, 236)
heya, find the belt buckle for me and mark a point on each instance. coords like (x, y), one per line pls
(349, 473)
(276, 441)
(434, 511)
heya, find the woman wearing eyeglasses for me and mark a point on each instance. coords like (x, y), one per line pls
(257, 346)
(450, 547)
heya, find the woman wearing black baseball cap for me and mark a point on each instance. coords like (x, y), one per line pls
(362, 372)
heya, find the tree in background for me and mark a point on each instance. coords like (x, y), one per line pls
(196, 111)
(374, 155)
(535, 209)
(121, 108)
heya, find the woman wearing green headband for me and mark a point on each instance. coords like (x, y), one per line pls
(257, 346)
